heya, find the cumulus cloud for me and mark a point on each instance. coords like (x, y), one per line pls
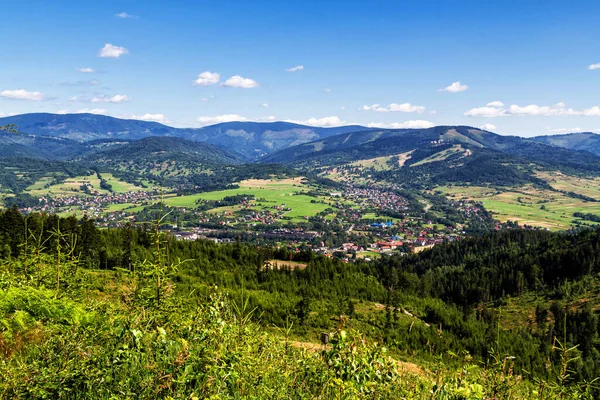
(124, 15)
(118, 98)
(207, 78)
(394, 107)
(488, 127)
(85, 70)
(21, 94)
(594, 66)
(238, 81)
(265, 105)
(151, 117)
(495, 104)
(557, 110)
(412, 124)
(327, 90)
(486, 112)
(296, 68)
(321, 122)
(455, 87)
(111, 51)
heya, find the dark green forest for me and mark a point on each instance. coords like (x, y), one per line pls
(429, 307)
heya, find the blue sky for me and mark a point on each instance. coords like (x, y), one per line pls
(516, 67)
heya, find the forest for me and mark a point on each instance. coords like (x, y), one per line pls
(89, 311)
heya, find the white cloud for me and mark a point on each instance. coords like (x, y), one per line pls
(412, 124)
(495, 104)
(486, 112)
(321, 122)
(220, 119)
(394, 107)
(126, 16)
(559, 109)
(91, 111)
(85, 70)
(118, 98)
(265, 105)
(151, 117)
(207, 78)
(488, 127)
(455, 87)
(533, 109)
(591, 112)
(594, 66)
(111, 51)
(21, 94)
(327, 90)
(296, 68)
(238, 81)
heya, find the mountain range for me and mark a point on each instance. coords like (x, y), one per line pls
(252, 140)
(443, 153)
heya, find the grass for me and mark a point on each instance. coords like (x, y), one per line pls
(442, 155)
(529, 205)
(382, 163)
(120, 186)
(267, 192)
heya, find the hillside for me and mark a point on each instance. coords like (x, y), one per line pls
(251, 139)
(157, 150)
(575, 141)
(477, 157)
(476, 318)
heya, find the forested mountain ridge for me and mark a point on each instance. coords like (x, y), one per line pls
(252, 139)
(159, 149)
(439, 155)
(575, 141)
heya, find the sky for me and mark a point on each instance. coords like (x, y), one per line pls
(513, 67)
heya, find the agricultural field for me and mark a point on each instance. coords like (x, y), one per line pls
(268, 193)
(119, 186)
(72, 186)
(529, 205)
(586, 186)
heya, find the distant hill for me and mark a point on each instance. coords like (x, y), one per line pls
(575, 141)
(458, 154)
(157, 150)
(367, 144)
(251, 139)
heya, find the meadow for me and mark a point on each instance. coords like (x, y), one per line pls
(287, 193)
(534, 206)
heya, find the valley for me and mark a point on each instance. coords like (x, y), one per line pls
(432, 242)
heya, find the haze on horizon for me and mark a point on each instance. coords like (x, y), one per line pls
(526, 68)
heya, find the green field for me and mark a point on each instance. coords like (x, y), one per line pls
(267, 193)
(532, 206)
(71, 186)
(119, 186)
